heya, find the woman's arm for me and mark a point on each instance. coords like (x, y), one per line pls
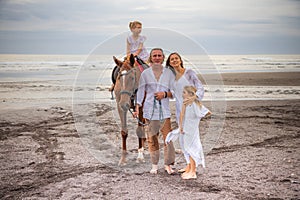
(194, 80)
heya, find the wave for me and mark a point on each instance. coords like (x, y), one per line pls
(258, 59)
(54, 63)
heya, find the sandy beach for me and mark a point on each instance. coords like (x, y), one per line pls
(44, 157)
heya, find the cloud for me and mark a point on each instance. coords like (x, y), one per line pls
(195, 18)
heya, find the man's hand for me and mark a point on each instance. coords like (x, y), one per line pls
(136, 113)
(159, 95)
(181, 130)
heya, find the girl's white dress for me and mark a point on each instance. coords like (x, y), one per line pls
(190, 140)
(134, 45)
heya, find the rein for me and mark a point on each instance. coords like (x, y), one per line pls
(161, 114)
(131, 94)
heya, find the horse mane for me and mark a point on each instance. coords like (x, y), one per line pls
(126, 65)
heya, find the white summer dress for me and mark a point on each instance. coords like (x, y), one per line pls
(134, 45)
(190, 140)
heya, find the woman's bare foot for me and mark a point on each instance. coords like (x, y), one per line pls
(186, 169)
(182, 170)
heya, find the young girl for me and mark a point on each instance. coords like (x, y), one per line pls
(135, 46)
(135, 41)
(191, 113)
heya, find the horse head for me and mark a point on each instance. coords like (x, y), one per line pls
(126, 83)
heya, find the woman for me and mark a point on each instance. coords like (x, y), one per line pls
(184, 77)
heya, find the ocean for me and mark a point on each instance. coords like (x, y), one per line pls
(55, 78)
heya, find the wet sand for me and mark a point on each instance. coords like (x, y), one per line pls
(259, 78)
(257, 156)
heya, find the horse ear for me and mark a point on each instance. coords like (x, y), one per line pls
(132, 60)
(118, 62)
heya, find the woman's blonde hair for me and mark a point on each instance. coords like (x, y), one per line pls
(133, 24)
(192, 91)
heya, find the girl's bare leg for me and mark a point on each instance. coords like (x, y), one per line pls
(192, 173)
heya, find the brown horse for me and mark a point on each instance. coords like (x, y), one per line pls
(125, 90)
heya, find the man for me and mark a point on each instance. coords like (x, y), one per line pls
(155, 83)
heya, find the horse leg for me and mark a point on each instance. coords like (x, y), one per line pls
(124, 134)
(140, 131)
(124, 149)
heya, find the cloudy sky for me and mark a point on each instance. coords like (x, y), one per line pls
(220, 26)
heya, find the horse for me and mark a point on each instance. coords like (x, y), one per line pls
(125, 88)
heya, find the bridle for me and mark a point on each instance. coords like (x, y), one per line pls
(123, 74)
(132, 93)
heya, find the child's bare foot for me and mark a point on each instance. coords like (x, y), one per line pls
(111, 87)
(189, 176)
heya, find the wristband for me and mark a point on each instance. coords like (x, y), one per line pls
(166, 94)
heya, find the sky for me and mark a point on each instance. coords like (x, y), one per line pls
(219, 26)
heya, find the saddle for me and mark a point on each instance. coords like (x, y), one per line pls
(141, 64)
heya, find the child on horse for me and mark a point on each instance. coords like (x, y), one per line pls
(135, 46)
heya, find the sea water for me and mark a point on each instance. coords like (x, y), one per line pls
(55, 78)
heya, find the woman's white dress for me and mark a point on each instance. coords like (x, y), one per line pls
(189, 77)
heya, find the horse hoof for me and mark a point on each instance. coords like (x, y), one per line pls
(140, 160)
(122, 163)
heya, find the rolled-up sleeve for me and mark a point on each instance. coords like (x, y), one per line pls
(141, 91)
(197, 83)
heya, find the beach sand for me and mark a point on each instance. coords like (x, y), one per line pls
(257, 156)
(259, 78)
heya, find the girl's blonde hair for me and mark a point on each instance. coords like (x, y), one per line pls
(133, 24)
(192, 91)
